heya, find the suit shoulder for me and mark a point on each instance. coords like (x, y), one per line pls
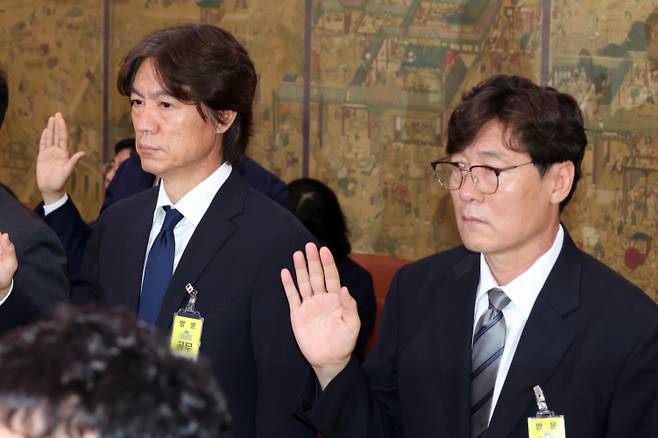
(130, 204)
(262, 210)
(444, 261)
(18, 220)
(611, 290)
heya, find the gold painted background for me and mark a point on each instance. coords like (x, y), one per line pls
(385, 76)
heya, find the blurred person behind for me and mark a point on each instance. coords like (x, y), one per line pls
(123, 149)
(98, 373)
(317, 207)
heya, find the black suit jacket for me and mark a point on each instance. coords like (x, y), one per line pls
(129, 180)
(233, 259)
(591, 342)
(39, 282)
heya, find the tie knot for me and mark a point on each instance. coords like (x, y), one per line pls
(172, 217)
(497, 299)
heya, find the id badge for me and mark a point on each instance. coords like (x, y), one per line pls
(546, 427)
(546, 424)
(187, 329)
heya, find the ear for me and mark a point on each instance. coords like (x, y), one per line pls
(225, 120)
(562, 178)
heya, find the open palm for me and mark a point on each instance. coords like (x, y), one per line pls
(324, 316)
(54, 162)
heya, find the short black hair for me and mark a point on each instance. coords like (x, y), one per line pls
(204, 65)
(99, 370)
(541, 121)
(126, 143)
(4, 96)
(317, 207)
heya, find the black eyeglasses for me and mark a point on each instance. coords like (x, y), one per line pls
(451, 175)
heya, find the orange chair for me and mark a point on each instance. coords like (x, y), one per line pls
(382, 268)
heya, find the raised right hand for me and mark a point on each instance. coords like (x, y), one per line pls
(324, 316)
(54, 163)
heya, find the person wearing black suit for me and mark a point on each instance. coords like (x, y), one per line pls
(39, 284)
(468, 333)
(191, 89)
(129, 180)
(31, 289)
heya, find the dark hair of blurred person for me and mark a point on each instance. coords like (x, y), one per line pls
(4, 96)
(122, 151)
(186, 62)
(317, 207)
(99, 373)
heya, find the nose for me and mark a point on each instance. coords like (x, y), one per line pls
(468, 190)
(144, 121)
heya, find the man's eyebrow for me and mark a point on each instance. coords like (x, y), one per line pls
(491, 153)
(153, 95)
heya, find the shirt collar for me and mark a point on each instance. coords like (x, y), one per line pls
(524, 289)
(195, 203)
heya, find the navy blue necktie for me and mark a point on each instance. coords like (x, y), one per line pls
(159, 268)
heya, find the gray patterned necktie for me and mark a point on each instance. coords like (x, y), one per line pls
(488, 346)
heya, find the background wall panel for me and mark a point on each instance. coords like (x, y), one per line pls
(384, 77)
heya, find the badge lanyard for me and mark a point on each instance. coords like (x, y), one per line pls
(545, 424)
(187, 328)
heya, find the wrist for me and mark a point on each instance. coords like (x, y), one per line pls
(52, 197)
(325, 374)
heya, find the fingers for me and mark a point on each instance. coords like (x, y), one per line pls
(61, 135)
(50, 131)
(302, 275)
(315, 271)
(294, 301)
(6, 247)
(331, 276)
(43, 141)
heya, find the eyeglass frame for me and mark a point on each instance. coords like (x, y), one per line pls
(465, 171)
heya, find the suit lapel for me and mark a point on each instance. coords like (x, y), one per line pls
(210, 235)
(454, 330)
(135, 234)
(544, 341)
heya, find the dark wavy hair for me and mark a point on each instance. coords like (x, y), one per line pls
(317, 207)
(99, 370)
(541, 121)
(204, 65)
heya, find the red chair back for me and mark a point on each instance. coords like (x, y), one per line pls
(382, 268)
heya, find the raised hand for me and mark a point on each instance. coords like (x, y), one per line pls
(324, 316)
(54, 163)
(8, 263)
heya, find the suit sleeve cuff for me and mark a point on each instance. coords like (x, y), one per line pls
(11, 287)
(49, 208)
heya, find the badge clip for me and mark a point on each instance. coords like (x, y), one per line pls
(541, 403)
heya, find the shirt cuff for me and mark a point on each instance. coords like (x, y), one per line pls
(49, 208)
(11, 287)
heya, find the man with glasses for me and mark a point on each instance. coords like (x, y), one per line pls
(467, 335)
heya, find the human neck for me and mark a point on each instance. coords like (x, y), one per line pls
(178, 185)
(507, 266)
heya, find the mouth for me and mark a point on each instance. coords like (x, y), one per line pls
(146, 149)
(470, 219)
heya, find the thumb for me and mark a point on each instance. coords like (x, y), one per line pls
(347, 302)
(74, 160)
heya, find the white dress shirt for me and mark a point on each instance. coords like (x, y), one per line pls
(192, 206)
(522, 292)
